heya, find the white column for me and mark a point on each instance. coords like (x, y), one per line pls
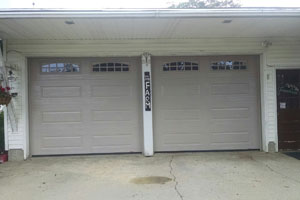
(147, 105)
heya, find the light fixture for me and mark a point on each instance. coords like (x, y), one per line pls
(69, 22)
(227, 21)
(266, 43)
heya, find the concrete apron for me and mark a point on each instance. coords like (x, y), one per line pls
(214, 175)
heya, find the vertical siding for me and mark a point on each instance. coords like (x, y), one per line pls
(283, 53)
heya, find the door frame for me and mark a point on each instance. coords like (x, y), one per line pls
(262, 81)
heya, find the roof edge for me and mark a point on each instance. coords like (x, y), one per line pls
(139, 13)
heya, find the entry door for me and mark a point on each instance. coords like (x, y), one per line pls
(288, 109)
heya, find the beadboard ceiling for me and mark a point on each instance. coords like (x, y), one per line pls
(147, 28)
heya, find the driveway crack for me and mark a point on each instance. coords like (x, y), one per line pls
(174, 178)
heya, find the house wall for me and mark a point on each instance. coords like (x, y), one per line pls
(283, 53)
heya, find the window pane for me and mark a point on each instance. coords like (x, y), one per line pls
(53, 67)
(76, 68)
(166, 67)
(103, 69)
(68, 67)
(173, 68)
(222, 67)
(236, 67)
(96, 69)
(60, 67)
(45, 68)
(195, 68)
(117, 69)
(243, 67)
(125, 69)
(228, 65)
(180, 66)
(111, 68)
(188, 68)
(214, 67)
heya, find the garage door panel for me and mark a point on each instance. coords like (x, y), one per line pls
(190, 138)
(111, 91)
(60, 150)
(229, 125)
(181, 114)
(59, 129)
(113, 104)
(99, 115)
(180, 90)
(84, 112)
(112, 140)
(61, 116)
(178, 103)
(229, 101)
(239, 137)
(116, 148)
(232, 113)
(60, 92)
(54, 142)
(231, 146)
(229, 88)
(181, 126)
(206, 109)
(112, 126)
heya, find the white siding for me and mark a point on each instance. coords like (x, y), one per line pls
(16, 139)
(284, 52)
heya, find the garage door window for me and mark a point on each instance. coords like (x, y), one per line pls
(60, 67)
(181, 66)
(110, 67)
(228, 65)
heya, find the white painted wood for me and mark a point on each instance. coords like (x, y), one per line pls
(3, 59)
(147, 115)
(16, 139)
(25, 113)
(124, 13)
(5, 130)
(156, 47)
(263, 121)
(149, 24)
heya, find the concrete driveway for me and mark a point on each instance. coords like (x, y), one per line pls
(207, 176)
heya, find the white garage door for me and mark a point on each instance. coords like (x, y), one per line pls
(84, 106)
(206, 103)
